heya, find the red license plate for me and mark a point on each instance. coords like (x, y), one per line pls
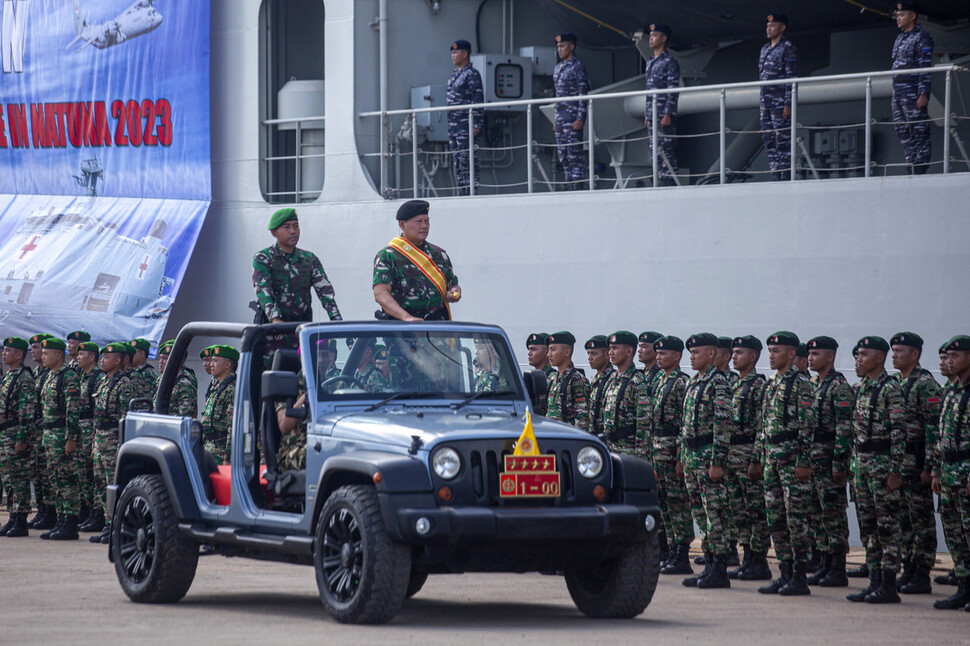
(529, 485)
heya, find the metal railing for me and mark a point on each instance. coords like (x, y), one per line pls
(298, 194)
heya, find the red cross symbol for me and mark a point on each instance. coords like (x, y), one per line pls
(30, 246)
(143, 267)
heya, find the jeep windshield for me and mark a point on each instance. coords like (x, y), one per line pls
(396, 365)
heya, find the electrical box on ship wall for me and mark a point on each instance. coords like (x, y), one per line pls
(505, 78)
(433, 125)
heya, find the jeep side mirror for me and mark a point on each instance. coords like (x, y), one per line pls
(536, 385)
(278, 385)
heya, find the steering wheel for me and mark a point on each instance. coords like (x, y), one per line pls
(332, 381)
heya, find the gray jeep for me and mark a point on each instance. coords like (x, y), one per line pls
(408, 472)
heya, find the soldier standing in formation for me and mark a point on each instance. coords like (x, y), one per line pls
(722, 358)
(622, 394)
(74, 341)
(570, 79)
(538, 355)
(185, 393)
(18, 400)
(648, 357)
(568, 387)
(662, 72)
(143, 377)
(46, 516)
(778, 60)
(464, 88)
(598, 356)
(801, 360)
(913, 49)
(88, 373)
(219, 407)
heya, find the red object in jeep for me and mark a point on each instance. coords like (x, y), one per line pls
(222, 484)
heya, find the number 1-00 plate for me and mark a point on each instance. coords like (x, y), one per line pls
(529, 485)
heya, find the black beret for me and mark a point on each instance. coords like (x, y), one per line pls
(907, 6)
(79, 335)
(783, 338)
(724, 342)
(566, 38)
(16, 342)
(561, 337)
(536, 338)
(461, 44)
(777, 17)
(669, 342)
(650, 337)
(943, 347)
(823, 343)
(959, 343)
(748, 341)
(412, 208)
(597, 342)
(701, 340)
(663, 29)
(907, 338)
(874, 342)
(802, 350)
(624, 338)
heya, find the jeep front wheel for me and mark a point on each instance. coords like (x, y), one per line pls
(620, 588)
(362, 575)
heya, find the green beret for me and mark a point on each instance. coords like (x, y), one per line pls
(747, 341)
(88, 346)
(669, 342)
(874, 342)
(16, 342)
(115, 348)
(701, 340)
(724, 342)
(783, 338)
(37, 338)
(624, 338)
(205, 353)
(959, 343)
(650, 337)
(380, 352)
(566, 338)
(802, 350)
(141, 344)
(131, 349)
(283, 215)
(412, 208)
(536, 338)
(166, 348)
(53, 343)
(79, 335)
(597, 342)
(823, 343)
(907, 338)
(225, 351)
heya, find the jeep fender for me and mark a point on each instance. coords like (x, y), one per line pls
(631, 473)
(156, 455)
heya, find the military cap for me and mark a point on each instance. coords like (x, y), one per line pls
(802, 350)
(624, 338)
(566, 338)
(53, 343)
(536, 338)
(663, 29)
(37, 338)
(777, 17)
(823, 343)
(380, 352)
(131, 349)
(225, 351)
(783, 338)
(907, 6)
(597, 342)
(669, 342)
(650, 337)
(281, 216)
(874, 342)
(959, 343)
(461, 44)
(724, 342)
(79, 335)
(16, 342)
(747, 341)
(206, 352)
(166, 348)
(115, 348)
(141, 344)
(701, 340)
(907, 338)
(331, 344)
(943, 347)
(566, 38)
(412, 208)
(88, 346)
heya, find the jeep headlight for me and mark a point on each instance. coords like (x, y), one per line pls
(446, 463)
(589, 461)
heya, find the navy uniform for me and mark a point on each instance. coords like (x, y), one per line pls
(778, 61)
(464, 88)
(570, 79)
(912, 49)
(663, 72)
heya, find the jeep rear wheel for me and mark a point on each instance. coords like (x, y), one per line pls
(620, 588)
(154, 563)
(362, 575)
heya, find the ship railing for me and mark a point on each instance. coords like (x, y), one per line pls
(300, 192)
(721, 174)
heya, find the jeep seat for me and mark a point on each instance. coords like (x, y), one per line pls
(290, 484)
(221, 480)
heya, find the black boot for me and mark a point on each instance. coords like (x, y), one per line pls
(10, 523)
(679, 562)
(757, 569)
(797, 586)
(745, 563)
(946, 579)
(102, 537)
(825, 562)
(664, 552)
(875, 580)
(886, 592)
(691, 581)
(67, 530)
(732, 559)
(60, 521)
(835, 578)
(958, 599)
(815, 561)
(700, 560)
(785, 569)
(95, 521)
(19, 526)
(919, 582)
(50, 520)
(860, 572)
(718, 576)
(83, 514)
(40, 518)
(904, 578)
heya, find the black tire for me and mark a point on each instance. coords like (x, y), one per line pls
(154, 563)
(618, 589)
(416, 582)
(362, 575)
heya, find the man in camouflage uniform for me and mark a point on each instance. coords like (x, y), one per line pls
(17, 399)
(801, 360)
(46, 516)
(568, 388)
(950, 464)
(206, 355)
(879, 448)
(922, 398)
(86, 367)
(144, 379)
(464, 88)
(785, 441)
(778, 60)
(705, 439)
(913, 49)
(648, 357)
(60, 407)
(569, 79)
(111, 397)
(74, 341)
(832, 410)
(598, 356)
(722, 359)
(538, 355)
(949, 578)
(488, 373)
(367, 376)
(219, 408)
(291, 456)
(621, 395)
(327, 359)
(662, 72)
(185, 393)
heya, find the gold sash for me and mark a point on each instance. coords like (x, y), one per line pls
(425, 265)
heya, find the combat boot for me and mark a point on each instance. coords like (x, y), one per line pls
(95, 521)
(691, 581)
(875, 580)
(700, 560)
(732, 559)
(40, 518)
(835, 578)
(83, 514)
(10, 523)
(67, 531)
(664, 552)
(860, 572)
(102, 537)
(919, 582)
(785, 574)
(60, 521)
(717, 577)
(904, 578)
(946, 579)
(19, 526)
(797, 586)
(825, 564)
(679, 562)
(815, 560)
(958, 599)
(757, 569)
(49, 520)
(745, 563)
(886, 592)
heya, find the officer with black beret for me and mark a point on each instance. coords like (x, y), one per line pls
(648, 357)
(622, 394)
(568, 387)
(598, 356)
(538, 355)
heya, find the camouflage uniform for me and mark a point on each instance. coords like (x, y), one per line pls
(111, 397)
(18, 399)
(283, 282)
(85, 445)
(217, 419)
(620, 398)
(749, 523)
(570, 79)
(950, 462)
(60, 406)
(832, 410)
(663, 72)
(597, 387)
(777, 62)
(912, 50)
(292, 452)
(567, 397)
(464, 88)
(185, 394)
(144, 381)
(486, 382)
(415, 293)
(38, 470)
(651, 379)
(542, 402)
(371, 379)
